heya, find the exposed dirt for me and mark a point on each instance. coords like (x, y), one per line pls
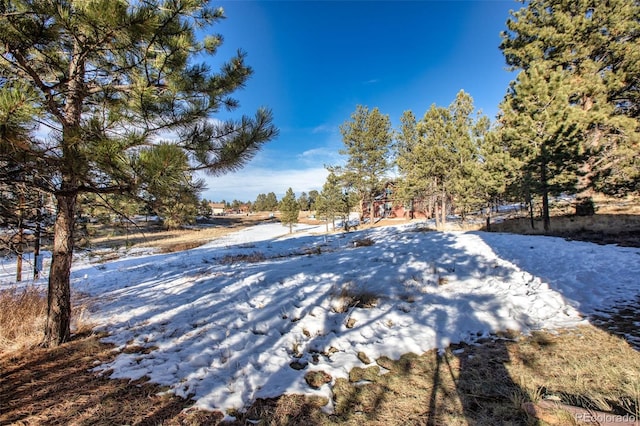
(56, 386)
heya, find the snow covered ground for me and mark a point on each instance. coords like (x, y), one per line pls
(226, 331)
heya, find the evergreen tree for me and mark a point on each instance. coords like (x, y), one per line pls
(368, 140)
(497, 168)
(313, 196)
(204, 208)
(424, 160)
(260, 204)
(168, 188)
(467, 133)
(543, 133)
(289, 209)
(109, 79)
(595, 44)
(416, 182)
(303, 202)
(440, 158)
(271, 202)
(330, 203)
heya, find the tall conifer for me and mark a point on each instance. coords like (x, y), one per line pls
(595, 44)
(111, 80)
(289, 209)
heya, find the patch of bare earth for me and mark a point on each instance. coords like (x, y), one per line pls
(56, 386)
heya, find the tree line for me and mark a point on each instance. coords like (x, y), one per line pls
(569, 123)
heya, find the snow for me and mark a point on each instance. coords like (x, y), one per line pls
(225, 331)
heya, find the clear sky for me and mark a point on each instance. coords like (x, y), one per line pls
(315, 61)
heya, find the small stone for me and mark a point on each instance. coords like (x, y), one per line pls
(364, 358)
(298, 365)
(315, 379)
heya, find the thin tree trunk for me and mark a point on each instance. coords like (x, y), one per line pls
(36, 248)
(57, 328)
(529, 200)
(443, 213)
(546, 220)
(372, 211)
(20, 245)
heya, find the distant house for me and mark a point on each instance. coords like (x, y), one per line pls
(238, 209)
(217, 209)
(386, 205)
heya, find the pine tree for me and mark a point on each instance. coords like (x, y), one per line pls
(330, 203)
(168, 187)
(543, 133)
(259, 204)
(440, 158)
(204, 208)
(271, 202)
(497, 168)
(467, 132)
(313, 196)
(368, 140)
(108, 80)
(424, 159)
(303, 202)
(595, 44)
(289, 209)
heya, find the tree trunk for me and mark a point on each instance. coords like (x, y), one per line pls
(372, 211)
(37, 262)
(20, 246)
(546, 220)
(528, 198)
(57, 328)
(443, 213)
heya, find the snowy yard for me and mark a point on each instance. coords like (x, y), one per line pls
(227, 321)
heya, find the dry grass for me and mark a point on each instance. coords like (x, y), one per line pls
(41, 386)
(586, 367)
(240, 258)
(350, 296)
(363, 242)
(56, 386)
(479, 385)
(617, 221)
(152, 235)
(22, 317)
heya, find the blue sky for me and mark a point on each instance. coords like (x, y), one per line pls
(315, 61)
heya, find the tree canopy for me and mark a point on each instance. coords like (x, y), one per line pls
(443, 158)
(368, 139)
(109, 96)
(289, 209)
(594, 45)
